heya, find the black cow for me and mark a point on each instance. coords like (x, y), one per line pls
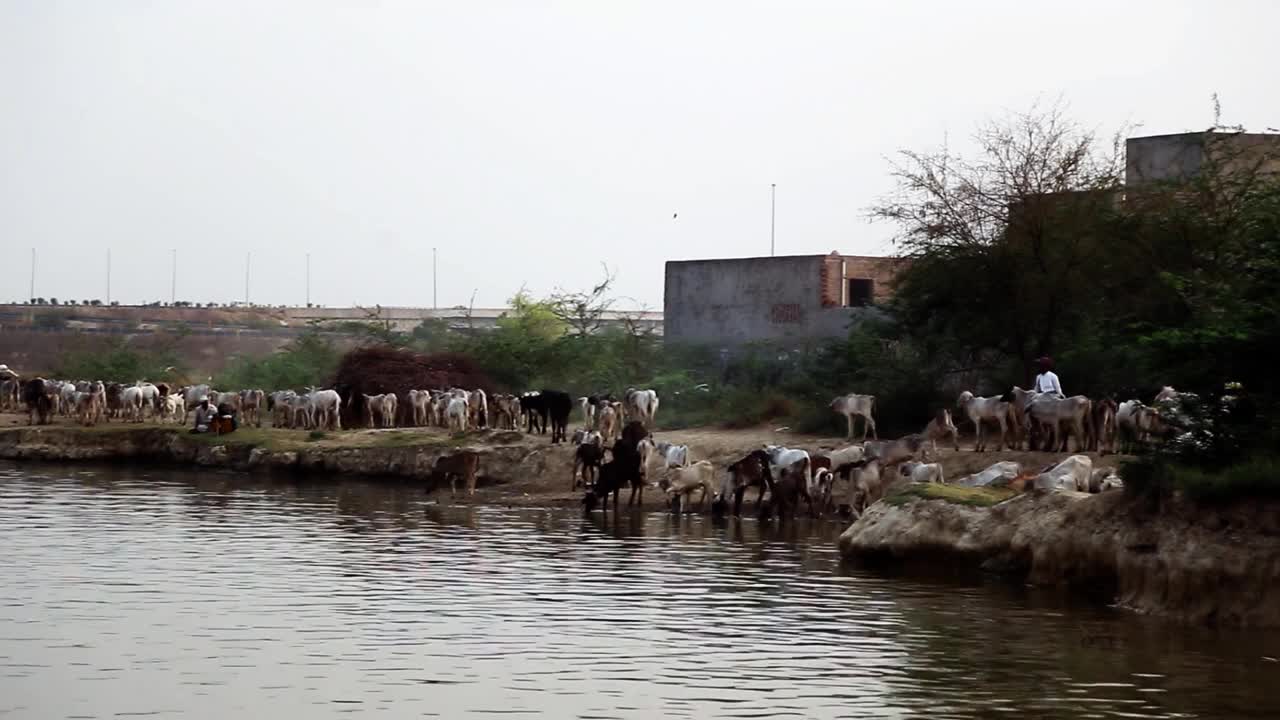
(534, 408)
(622, 470)
(587, 458)
(35, 393)
(558, 406)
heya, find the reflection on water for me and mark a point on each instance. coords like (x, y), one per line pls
(176, 594)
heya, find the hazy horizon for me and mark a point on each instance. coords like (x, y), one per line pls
(531, 144)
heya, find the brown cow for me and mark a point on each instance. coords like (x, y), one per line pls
(464, 464)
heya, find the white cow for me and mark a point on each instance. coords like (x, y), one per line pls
(1136, 423)
(150, 396)
(67, 397)
(171, 408)
(641, 405)
(325, 409)
(478, 407)
(646, 450)
(781, 458)
(1052, 413)
(985, 409)
(672, 455)
(854, 405)
(192, 396)
(131, 403)
(1000, 472)
(456, 414)
(920, 472)
(251, 402)
(588, 412)
(390, 409)
(1070, 474)
(301, 413)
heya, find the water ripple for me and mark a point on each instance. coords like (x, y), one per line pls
(197, 595)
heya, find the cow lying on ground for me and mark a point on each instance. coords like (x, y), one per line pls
(1073, 473)
(918, 472)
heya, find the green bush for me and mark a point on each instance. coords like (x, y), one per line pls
(1256, 477)
(308, 360)
(120, 363)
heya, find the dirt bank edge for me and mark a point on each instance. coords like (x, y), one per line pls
(1213, 566)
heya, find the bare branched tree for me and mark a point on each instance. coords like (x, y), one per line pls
(582, 311)
(1022, 207)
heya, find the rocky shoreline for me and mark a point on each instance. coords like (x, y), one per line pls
(1211, 566)
(243, 452)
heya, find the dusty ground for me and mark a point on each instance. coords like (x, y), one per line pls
(539, 473)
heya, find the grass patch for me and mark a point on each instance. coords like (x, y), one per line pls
(406, 439)
(974, 497)
(1254, 478)
(266, 438)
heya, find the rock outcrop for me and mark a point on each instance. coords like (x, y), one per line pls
(1201, 565)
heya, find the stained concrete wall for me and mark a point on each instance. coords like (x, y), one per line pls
(1162, 157)
(736, 301)
(1178, 157)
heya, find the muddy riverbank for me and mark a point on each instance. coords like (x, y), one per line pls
(1203, 565)
(1216, 566)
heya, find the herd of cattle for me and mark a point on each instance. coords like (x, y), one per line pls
(614, 448)
(457, 409)
(791, 475)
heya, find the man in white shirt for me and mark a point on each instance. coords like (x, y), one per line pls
(204, 416)
(1047, 380)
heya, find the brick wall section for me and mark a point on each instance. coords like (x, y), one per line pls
(830, 281)
(882, 270)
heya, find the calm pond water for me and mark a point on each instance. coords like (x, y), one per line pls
(207, 595)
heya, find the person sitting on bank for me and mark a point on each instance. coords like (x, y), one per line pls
(205, 416)
(1047, 380)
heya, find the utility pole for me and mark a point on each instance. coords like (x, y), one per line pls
(173, 287)
(308, 279)
(247, 257)
(108, 276)
(33, 274)
(434, 306)
(773, 213)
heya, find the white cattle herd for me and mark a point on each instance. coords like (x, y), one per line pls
(1046, 422)
(622, 425)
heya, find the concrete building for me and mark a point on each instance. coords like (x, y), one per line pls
(1169, 158)
(796, 298)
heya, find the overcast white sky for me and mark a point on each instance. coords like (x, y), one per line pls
(532, 141)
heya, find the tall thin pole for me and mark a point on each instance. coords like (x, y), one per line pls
(108, 276)
(773, 213)
(33, 274)
(434, 306)
(247, 257)
(173, 286)
(308, 279)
